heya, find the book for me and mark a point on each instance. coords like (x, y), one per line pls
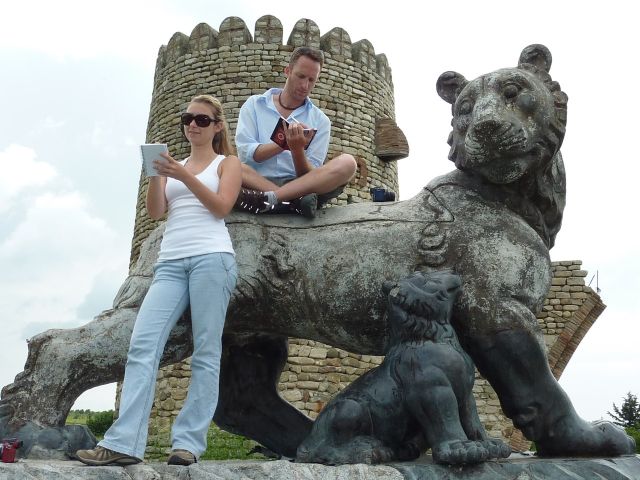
(278, 136)
(150, 152)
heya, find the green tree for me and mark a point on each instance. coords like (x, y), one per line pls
(628, 415)
(100, 422)
(635, 433)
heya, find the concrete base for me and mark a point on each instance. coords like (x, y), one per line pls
(515, 468)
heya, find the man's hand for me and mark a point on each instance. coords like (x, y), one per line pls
(296, 138)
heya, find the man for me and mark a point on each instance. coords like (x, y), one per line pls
(297, 176)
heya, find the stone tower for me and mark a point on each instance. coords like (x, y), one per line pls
(355, 90)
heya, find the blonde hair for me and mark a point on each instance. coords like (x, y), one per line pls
(221, 141)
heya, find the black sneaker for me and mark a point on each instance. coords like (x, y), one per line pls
(306, 205)
(253, 201)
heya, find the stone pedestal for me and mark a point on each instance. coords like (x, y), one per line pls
(515, 468)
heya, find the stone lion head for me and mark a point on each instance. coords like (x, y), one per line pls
(508, 127)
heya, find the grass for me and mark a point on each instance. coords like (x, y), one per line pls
(78, 417)
(221, 445)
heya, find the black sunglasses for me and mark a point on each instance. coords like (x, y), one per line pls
(201, 119)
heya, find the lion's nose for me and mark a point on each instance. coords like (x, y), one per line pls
(491, 133)
(487, 128)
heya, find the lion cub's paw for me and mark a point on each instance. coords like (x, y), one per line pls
(380, 455)
(497, 448)
(460, 452)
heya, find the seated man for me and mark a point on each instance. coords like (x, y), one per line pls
(293, 174)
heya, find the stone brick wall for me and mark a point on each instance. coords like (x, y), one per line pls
(355, 90)
(315, 372)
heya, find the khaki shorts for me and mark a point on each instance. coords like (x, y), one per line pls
(323, 198)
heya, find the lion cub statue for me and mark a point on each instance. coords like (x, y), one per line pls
(420, 397)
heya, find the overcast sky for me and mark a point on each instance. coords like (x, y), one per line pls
(75, 90)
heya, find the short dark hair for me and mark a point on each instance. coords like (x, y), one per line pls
(310, 52)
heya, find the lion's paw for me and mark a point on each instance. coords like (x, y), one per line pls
(497, 448)
(361, 449)
(599, 438)
(409, 451)
(460, 452)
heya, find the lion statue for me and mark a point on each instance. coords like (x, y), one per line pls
(419, 397)
(492, 220)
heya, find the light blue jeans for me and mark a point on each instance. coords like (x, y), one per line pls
(205, 282)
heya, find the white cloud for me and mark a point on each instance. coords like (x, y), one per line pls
(99, 134)
(604, 356)
(98, 398)
(52, 258)
(21, 171)
(52, 123)
(78, 29)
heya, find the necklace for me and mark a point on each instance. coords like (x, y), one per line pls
(284, 106)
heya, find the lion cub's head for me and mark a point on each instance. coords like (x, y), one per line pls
(419, 306)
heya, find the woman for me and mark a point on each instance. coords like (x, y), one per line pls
(196, 267)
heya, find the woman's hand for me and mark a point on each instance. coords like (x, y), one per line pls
(169, 167)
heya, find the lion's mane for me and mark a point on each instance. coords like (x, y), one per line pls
(419, 308)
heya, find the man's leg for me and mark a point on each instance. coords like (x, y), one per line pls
(261, 194)
(252, 197)
(333, 174)
(252, 179)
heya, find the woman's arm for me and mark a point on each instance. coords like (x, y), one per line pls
(218, 203)
(156, 200)
(221, 203)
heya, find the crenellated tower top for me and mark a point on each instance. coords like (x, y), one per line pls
(233, 32)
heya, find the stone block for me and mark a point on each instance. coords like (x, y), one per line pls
(318, 353)
(291, 395)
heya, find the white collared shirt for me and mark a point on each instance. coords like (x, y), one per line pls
(256, 122)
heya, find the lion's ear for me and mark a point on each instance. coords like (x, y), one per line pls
(387, 286)
(537, 55)
(449, 86)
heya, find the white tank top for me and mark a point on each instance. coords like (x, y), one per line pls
(191, 229)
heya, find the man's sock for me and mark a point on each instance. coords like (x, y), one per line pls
(272, 198)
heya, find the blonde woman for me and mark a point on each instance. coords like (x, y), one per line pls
(196, 268)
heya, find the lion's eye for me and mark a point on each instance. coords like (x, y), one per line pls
(511, 91)
(462, 123)
(526, 102)
(465, 107)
